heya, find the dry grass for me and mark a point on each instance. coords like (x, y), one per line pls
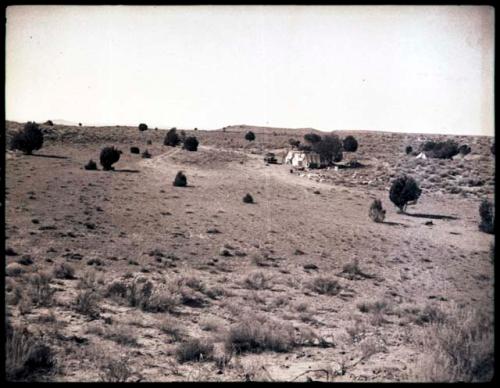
(459, 349)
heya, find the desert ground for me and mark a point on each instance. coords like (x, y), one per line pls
(303, 280)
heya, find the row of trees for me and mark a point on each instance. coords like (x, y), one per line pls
(329, 147)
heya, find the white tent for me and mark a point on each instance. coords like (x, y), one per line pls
(302, 158)
(421, 156)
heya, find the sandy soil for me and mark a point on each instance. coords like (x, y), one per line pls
(302, 226)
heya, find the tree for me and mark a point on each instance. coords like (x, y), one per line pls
(49, 122)
(27, 140)
(294, 143)
(191, 143)
(180, 180)
(350, 144)
(172, 138)
(312, 138)
(464, 149)
(487, 215)
(143, 127)
(329, 149)
(441, 150)
(403, 190)
(250, 136)
(109, 156)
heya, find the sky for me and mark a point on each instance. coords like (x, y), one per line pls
(421, 69)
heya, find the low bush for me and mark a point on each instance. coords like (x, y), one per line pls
(180, 180)
(39, 290)
(408, 150)
(134, 150)
(194, 350)
(487, 224)
(377, 212)
(325, 285)
(248, 198)
(26, 357)
(91, 165)
(116, 371)
(257, 281)
(109, 156)
(64, 271)
(459, 349)
(87, 303)
(146, 155)
(255, 336)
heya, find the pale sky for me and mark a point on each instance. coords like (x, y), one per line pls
(388, 68)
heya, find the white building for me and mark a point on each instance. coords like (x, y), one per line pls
(302, 159)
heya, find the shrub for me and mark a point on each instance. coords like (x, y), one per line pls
(172, 138)
(487, 224)
(91, 165)
(325, 285)
(173, 328)
(25, 355)
(109, 156)
(79, 124)
(248, 198)
(146, 155)
(250, 136)
(49, 123)
(458, 349)
(116, 371)
(27, 140)
(64, 271)
(377, 212)
(87, 303)
(180, 180)
(39, 290)
(441, 150)
(256, 281)
(117, 288)
(350, 144)
(134, 150)
(149, 142)
(312, 138)
(408, 150)
(194, 350)
(252, 335)
(329, 149)
(304, 147)
(294, 143)
(143, 127)
(191, 143)
(404, 190)
(464, 149)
